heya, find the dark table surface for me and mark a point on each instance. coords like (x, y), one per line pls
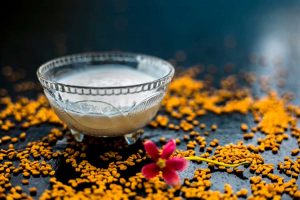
(211, 33)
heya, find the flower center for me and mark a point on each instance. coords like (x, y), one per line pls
(161, 163)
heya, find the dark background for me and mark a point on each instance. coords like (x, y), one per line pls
(251, 35)
(210, 32)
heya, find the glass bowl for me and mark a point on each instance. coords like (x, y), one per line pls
(111, 110)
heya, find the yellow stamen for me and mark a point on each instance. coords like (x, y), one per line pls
(196, 158)
(161, 163)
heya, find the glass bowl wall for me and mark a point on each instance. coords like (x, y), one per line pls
(105, 111)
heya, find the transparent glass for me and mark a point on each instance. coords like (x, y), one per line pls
(109, 111)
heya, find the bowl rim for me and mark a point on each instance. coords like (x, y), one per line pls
(91, 56)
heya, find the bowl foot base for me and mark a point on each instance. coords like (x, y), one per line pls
(131, 138)
(128, 139)
(77, 135)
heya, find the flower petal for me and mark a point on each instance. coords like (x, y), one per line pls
(150, 170)
(151, 149)
(177, 164)
(170, 176)
(168, 149)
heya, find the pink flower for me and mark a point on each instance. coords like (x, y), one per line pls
(163, 162)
